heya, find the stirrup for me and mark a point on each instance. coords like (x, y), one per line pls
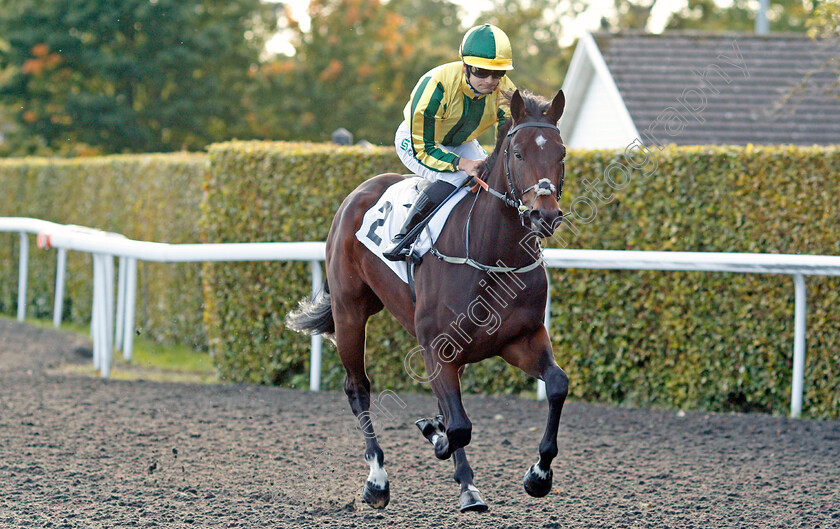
(397, 250)
(402, 253)
(411, 256)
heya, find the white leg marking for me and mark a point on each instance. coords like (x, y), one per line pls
(541, 141)
(472, 488)
(543, 474)
(377, 476)
(435, 438)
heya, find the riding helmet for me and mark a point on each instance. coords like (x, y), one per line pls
(487, 47)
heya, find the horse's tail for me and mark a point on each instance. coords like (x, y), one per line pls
(313, 315)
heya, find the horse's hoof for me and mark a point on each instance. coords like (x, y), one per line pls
(431, 427)
(537, 483)
(442, 451)
(376, 496)
(427, 427)
(471, 501)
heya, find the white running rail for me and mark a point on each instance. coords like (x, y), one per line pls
(104, 247)
(24, 226)
(748, 263)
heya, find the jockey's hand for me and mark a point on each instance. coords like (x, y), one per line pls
(471, 167)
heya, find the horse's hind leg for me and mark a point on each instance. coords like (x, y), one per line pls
(350, 320)
(534, 356)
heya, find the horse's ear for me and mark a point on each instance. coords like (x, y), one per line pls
(558, 104)
(517, 107)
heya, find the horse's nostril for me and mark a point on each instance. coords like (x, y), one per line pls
(544, 220)
(536, 219)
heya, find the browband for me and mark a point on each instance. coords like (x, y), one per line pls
(532, 124)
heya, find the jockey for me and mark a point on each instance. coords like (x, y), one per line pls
(449, 108)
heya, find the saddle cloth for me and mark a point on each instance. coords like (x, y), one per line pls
(387, 216)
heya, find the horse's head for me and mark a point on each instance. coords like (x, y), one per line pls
(533, 159)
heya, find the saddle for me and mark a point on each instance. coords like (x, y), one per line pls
(385, 218)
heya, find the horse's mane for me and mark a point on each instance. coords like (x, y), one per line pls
(535, 106)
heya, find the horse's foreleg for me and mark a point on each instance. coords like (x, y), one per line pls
(470, 496)
(538, 479)
(350, 342)
(534, 356)
(436, 432)
(470, 499)
(458, 428)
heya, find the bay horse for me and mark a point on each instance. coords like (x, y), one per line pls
(489, 301)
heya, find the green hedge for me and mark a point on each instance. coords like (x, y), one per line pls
(705, 340)
(693, 340)
(675, 339)
(148, 197)
(275, 192)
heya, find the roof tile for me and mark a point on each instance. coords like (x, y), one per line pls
(774, 89)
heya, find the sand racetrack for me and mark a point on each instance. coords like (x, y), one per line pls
(86, 453)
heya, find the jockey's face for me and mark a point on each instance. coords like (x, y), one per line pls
(482, 85)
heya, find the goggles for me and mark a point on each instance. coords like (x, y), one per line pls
(481, 73)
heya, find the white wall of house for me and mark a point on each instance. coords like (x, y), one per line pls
(597, 125)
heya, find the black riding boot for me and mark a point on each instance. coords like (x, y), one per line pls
(428, 199)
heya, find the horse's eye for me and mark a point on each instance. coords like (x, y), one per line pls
(518, 155)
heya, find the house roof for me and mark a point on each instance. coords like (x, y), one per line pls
(693, 88)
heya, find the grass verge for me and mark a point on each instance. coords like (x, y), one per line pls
(150, 361)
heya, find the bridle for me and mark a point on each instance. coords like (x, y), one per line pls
(512, 197)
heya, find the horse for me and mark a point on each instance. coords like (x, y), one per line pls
(513, 209)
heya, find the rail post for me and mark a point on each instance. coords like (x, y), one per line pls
(23, 271)
(96, 316)
(317, 340)
(109, 307)
(800, 309)
(130, 301)
(120, 320)
(103, 313)
(547, 323)
(60, 274)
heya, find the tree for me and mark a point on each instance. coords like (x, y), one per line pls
(629, 15)
(783, 15)
(354, 67)
(133, 75)
(824, 22)
(535, 28)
